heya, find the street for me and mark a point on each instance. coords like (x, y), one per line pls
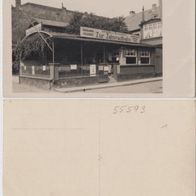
(147, 87)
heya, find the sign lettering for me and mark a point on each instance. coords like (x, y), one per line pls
(108, 35)
(34, 29)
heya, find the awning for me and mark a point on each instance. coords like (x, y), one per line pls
(66, 36)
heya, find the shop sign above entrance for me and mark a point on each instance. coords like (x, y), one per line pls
(108, 35)
(34, 29)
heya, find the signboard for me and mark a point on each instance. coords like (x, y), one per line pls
(92, 70)
(108, 35)
(34, 29)
(118, 69)
(106, 68)
(101, 67)
(152, 30)
(73, 67)
(33, 70)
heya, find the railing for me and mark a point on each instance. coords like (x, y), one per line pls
(65, 71)
(36, 71)
(57, 72)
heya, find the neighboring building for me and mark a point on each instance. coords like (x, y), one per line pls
(23, 14)
(147, 24)
(31, 10)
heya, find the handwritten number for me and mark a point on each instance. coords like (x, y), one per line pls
(115, 110)
(129, 108)
(143, 109)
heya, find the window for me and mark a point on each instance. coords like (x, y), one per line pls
(131, 56)
(130, 60)
(113, 56)
(145, 57)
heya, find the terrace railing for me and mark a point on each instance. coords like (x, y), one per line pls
(68, 71)
(36, 71)
(55, 72)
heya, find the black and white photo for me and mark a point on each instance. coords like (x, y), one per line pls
(58, 49)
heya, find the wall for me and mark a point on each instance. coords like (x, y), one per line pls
(152, 30)
(159, 61)
(48, 13)
(134, 72)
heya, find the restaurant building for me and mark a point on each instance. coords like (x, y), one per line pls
(93, 56)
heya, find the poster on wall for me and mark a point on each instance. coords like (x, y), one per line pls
(93, 70)
(73, 67)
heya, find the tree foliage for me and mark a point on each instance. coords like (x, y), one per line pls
(90, 20)
(33, 44)
(19, 24)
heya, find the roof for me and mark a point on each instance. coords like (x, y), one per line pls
(67, 36)
(42, 6)
(51, 22)
(55, 9)
(133, 21)
(153, 41)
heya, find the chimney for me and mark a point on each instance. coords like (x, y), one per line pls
(143, 17)
(160, 7)
(132, 13)
(154, 10)
(18, 3)
(63, 7)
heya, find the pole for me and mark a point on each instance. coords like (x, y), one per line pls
(81, 55)
(104, 55)
(53, 60)
(20, 71)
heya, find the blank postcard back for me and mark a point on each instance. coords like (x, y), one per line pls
(99, 148)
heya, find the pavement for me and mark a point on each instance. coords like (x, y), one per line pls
(150, 85)
(110, 86)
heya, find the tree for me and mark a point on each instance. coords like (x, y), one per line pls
(91, 20)
(19, 24)
(74, 25)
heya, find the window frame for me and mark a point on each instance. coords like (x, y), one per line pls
(145, 54)
(131, 53)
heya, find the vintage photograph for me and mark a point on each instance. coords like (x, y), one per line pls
(98, 47)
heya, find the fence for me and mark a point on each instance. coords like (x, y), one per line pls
(66, 71)
(36, 71)
(59, 71)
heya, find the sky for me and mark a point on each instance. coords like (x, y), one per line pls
(108, 8)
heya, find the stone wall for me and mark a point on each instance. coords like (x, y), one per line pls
(135, 72)
(39, 83)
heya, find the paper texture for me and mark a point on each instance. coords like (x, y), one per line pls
(101, 148)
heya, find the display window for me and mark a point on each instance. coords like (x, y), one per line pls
(145, 57)
(131, 56)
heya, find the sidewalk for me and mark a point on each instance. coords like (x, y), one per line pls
(106, 85)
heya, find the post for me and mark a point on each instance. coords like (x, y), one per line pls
(53, 61)
(104, 55)
(81, 55)
(20, 71)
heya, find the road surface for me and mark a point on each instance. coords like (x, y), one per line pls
(148, 87)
